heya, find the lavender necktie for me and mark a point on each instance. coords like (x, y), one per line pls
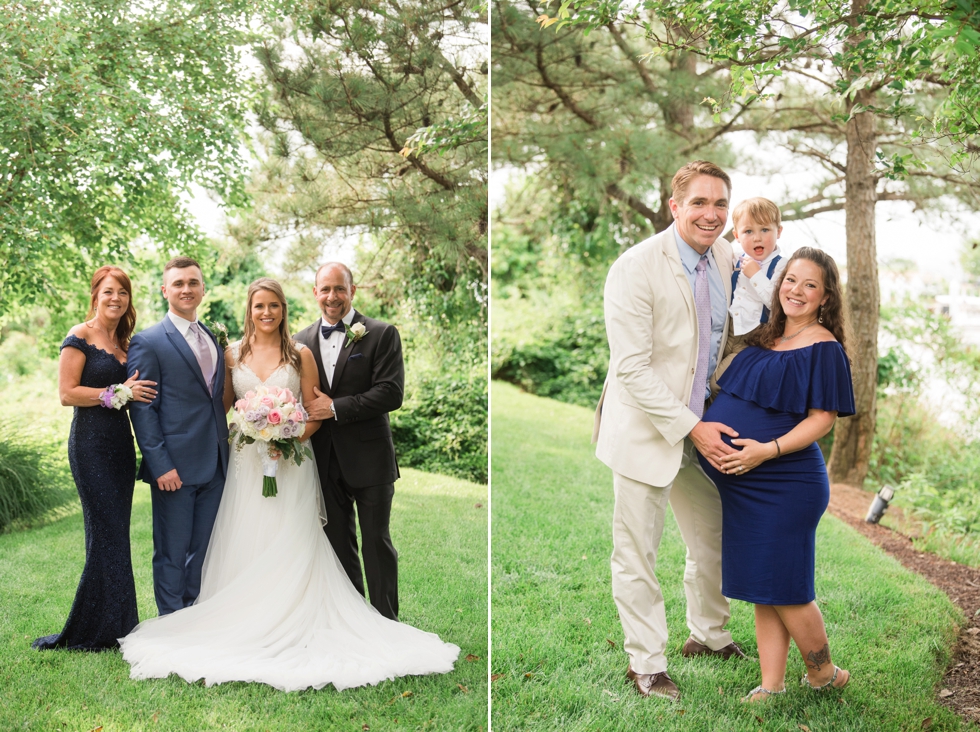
(702, 305)
(199, 345)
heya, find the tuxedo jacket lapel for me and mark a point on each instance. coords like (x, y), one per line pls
(180, 344)
(345, 353)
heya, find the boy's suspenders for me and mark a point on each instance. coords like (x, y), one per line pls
(772, 268)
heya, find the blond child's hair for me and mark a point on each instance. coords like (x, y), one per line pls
(761, 210)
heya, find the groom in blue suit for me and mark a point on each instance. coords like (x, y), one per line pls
(183, 434)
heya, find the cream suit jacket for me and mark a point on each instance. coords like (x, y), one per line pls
(651, 322)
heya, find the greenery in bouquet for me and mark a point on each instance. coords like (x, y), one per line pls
(275, 418)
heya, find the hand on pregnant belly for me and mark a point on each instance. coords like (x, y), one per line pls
(751, 455)
(707, 438)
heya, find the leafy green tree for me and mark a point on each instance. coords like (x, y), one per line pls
(110, 108)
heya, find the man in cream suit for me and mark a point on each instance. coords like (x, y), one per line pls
(666, 312)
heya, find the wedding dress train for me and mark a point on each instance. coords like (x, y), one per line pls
(276, 607)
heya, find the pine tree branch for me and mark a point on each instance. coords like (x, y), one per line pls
(413, 159)
(458, 80)
(559, 92)
(614, 191)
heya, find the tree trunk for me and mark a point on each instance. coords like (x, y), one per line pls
(854, 436)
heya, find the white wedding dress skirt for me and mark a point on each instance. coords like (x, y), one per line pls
(276, 607)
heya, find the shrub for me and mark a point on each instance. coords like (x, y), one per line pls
(31, 477)
(568, 363)
(442, 426)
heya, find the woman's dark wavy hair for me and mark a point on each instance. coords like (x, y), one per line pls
(834, 318)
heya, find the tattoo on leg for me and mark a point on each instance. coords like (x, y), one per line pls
(816, 659)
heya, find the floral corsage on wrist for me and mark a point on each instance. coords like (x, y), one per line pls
(116, 396)
(355, 333)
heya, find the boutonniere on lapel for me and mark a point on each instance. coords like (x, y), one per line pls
(220, 332)
(355, 333)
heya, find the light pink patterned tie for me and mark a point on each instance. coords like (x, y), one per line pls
(199, 345)
(702, 305)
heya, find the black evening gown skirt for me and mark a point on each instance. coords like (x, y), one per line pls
(103, 464)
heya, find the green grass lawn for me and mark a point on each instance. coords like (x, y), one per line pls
(558, 661)
(441, 537)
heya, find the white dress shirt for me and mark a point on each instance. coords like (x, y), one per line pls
(184, 327)
(331, 347)
(753, 294)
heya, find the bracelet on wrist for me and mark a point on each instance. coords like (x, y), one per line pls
(779, 452)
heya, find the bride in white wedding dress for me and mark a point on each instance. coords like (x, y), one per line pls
(276, 607)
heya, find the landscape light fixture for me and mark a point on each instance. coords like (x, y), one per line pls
(879, 504)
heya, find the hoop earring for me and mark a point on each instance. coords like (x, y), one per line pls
(820, 314)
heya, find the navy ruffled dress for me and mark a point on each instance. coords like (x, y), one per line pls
(770, 514)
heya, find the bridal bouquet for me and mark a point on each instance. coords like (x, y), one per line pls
(275, 419)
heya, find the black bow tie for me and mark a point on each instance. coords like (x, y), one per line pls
(326, 330)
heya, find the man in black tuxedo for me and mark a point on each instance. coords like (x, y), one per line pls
(362, 378)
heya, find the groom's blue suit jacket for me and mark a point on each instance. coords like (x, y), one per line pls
(184, 427)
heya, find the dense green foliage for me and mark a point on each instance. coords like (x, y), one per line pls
(557, 641)
(569, 363)
(548, 275)
(110, 109)
(442, 427)
(441, 536)
(930, 458)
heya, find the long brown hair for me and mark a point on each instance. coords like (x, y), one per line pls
(832, 313)
(124, 331)
(288, 351)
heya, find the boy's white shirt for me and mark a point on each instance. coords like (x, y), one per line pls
(751, 295)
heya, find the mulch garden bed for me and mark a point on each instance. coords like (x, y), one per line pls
(960, 688)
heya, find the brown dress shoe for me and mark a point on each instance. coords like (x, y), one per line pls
(654, 684)
(692, 648)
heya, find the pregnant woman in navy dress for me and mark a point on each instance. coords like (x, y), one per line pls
(782, 394)
(103, 464)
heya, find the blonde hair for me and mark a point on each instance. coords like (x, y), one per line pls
(683, 177)
(288, 351)
(761, 210)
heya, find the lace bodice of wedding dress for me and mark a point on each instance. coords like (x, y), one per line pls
(276, 606)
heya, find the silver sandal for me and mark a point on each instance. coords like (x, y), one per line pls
(805, 681)
(761, 690)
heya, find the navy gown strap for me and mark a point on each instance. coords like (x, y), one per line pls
(74, 341)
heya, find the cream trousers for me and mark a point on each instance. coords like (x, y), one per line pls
(638, 524)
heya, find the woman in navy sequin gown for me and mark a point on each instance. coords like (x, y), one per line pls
(103, 464)
(781, 395)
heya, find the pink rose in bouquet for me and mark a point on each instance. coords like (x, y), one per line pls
(275, 419)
